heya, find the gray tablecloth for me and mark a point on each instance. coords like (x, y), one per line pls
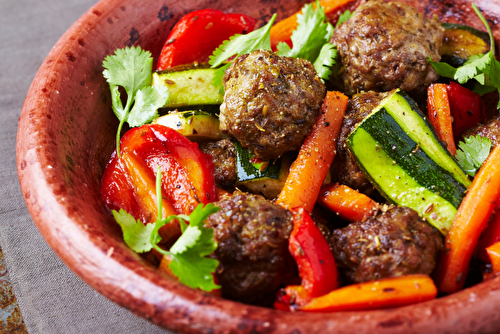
(51, 298)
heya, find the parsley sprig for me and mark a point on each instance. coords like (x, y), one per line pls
(131, 69)
(189, 253)
(484, 68)
(472, 152)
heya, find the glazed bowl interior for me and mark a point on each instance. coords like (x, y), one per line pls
(66, 136)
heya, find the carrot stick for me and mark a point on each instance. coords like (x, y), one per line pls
(471, 219)
(282, 31)
(391, 292)
(348, 203)
(494, 254)
(438, 109)
(315, 156)
(490, 236)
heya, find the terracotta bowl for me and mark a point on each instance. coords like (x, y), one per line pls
(66, 136)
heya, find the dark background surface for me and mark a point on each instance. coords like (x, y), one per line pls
(51, 298)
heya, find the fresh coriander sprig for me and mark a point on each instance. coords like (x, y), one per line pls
(189, 253)
(131, 69)
(472, 153)
(484, 68)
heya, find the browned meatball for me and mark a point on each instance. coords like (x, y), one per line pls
(393, 243)
(224, 158)
(385, 46)
(344, 169)
(252, 235)
(270, 102)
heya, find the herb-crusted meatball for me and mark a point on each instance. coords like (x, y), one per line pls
(224, 158)
(385, 46)
(270, 102)
(252, 235)
(393, 243)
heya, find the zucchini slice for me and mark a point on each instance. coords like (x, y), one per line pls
(460, 42)
(195, 125)
(189, 86)
(400, 153)
(266, 181)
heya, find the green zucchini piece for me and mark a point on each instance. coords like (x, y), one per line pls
(460, 42)
(400, 153)
(195, 125)
(267, 182)
(189, 86)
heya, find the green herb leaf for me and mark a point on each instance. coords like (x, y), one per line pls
(135, 233)
(242, 44)
(147, 102)
(217, 81)
(344, 17)
(131, 68)
(472, 153)
(326, 60)
(312, 32)
(484, 68)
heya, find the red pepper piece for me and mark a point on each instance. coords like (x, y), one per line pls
(199, 33)
(129, 182)
(314, 258)
(466, 107)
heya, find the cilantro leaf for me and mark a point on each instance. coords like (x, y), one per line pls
(217, 81)
(131, 68)
(147, 102)
(472, 153)
(344, 17)
(484, 68)
(242, 44)
(312, 32)
(189, 253)
(135, 233)
(326, 60)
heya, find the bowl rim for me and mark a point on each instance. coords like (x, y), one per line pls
(167, 302)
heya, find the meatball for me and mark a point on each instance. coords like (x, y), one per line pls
(395, 242)
(344, 169)
(252, 235)
(270, 102)
(491, 130)
(224, 158)
(385, 46)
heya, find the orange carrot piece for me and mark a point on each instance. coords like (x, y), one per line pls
(348, 203)
(438, 109)
(282, 31)
(490, 236)
(386, 293)
(494, 254)
(470, 221)
(315, 156)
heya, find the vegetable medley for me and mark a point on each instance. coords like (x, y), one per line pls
(316, 164)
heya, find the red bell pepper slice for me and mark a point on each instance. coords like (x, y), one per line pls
(466, 107)
(438, 111)
(195, 37)
(314, 258)
(129, 182)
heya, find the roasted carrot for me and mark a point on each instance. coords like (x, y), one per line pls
(490, 236)
(348, 203)
(494, 254)
(470, 221)
(282, 31)
(315, 156)
(438, 109)
(386, 293)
